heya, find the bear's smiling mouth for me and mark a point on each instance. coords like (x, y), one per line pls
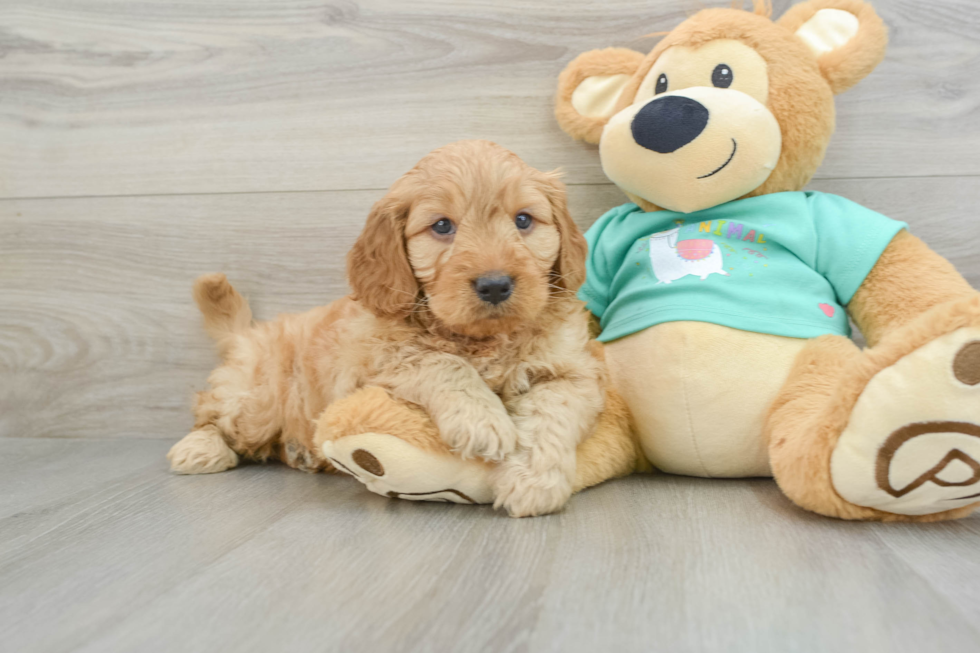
(717, 170)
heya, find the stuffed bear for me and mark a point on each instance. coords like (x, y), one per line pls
(723, 289)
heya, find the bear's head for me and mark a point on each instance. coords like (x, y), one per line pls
(728, 105)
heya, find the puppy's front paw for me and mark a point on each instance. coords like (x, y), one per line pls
(489, 434)
(524, 494)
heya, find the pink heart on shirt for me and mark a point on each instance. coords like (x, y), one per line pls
(827, 309)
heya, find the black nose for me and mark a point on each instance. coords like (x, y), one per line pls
(670, 123)
(494, 288)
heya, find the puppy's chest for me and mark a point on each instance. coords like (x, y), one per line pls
(507, 378)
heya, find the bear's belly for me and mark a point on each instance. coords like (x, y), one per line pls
(699, 394)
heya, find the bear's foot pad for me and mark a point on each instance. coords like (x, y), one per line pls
(912, 446)
(392, 467)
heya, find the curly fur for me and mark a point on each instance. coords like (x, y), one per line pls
(517, 383)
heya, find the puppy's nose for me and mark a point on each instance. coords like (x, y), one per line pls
(670, 123)
(494, 288)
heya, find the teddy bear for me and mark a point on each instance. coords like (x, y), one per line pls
(722, 290)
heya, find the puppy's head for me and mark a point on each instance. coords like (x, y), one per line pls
(474, 236)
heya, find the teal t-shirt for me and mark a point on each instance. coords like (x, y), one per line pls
(785, 264)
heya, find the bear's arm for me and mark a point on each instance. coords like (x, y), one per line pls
(907, 280)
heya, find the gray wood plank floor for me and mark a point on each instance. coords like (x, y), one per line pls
(148, 96)
(111, 553)
(146, 142)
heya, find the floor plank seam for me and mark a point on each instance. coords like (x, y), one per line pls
(382, 189)
(937, 591)
(117, 620)
(15, 552)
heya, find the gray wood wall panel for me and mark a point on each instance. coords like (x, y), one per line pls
(99, 336)
(162, 141)
(101, 97)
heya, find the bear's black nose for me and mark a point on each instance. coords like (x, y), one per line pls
(494, 288)
(669, 123)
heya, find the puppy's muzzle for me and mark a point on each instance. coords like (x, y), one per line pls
(668, 124)
(494, 288)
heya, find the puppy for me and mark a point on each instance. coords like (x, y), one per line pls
(464, 280)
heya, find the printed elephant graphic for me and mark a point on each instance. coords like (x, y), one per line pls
(671, 260)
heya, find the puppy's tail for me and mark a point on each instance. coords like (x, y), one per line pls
(226, 313)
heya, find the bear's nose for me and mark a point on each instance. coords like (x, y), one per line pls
(494, 288)
(669, 123)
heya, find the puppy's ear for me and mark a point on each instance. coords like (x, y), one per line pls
(377, 266)
(589, 90)
(846, 36)
(570, 266)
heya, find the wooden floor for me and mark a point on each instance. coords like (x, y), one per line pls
(102, 550)
(144, 143)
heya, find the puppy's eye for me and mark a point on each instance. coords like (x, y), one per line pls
(444, 227)
(523, 221)
(722, 76)
(661, 85)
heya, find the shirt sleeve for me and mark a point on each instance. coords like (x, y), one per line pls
(599, 266)
(850, 240)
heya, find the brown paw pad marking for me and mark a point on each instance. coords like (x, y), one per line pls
(399, 495)
(966, 365)
(341, 467)
(366, 461)
(906, 433)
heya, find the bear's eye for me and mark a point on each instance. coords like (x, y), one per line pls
(661, 85)
(722, 76)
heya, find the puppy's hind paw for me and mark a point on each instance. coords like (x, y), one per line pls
(201, 452)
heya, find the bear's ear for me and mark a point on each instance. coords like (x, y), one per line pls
(589, 90)
(847, 37)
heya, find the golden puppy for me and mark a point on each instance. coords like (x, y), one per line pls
(464, 281)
